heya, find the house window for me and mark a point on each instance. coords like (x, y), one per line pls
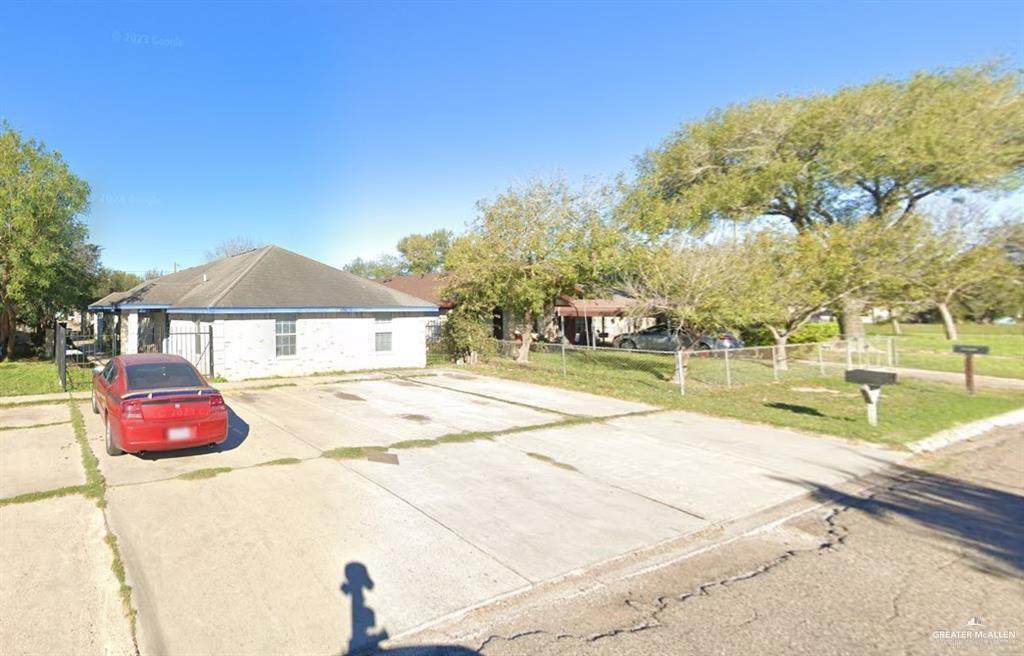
(284, 337)
(382, 319)
(382, 342)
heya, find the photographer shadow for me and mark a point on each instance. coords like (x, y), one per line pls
(364, 640)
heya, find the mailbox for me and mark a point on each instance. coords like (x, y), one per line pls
(870, 377)
(871, 382)
(969, 351)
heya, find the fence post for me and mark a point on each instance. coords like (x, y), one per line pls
(682, 372)
(775, 364)
(728, 370)
(849, 355)
(210, 348)
(821, 359)
(892, 352)
(562, 341)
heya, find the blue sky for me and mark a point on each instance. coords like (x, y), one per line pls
(335, 129)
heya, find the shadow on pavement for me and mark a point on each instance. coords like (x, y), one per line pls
(238, 431)
(984, 521)
(366, 641)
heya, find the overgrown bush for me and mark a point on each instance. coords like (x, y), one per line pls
(465, 332)
(808, 333)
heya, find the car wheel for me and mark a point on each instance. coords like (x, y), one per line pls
(112, 450)
(95, 408)
(627, 344)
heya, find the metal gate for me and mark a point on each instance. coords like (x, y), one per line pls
(60, 355)
(195, 346)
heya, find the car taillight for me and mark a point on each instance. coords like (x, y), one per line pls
(217, 402)
(131, 409)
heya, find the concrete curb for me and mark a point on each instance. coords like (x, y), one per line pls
(965, 432)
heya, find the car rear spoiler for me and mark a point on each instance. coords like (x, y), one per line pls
(164, 392)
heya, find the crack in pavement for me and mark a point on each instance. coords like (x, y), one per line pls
(834, 538)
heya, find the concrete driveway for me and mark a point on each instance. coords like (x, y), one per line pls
(508, 485)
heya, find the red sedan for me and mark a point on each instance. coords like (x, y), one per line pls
(156, 402)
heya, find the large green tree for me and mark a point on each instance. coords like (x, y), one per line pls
(946, 260)
(425, 253)
(418, 253)
(46, 263)
(794, 277)
(526, 248)
(110, 280)
(870, 153)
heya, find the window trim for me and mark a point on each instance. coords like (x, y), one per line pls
(391, 341)
(294, 334)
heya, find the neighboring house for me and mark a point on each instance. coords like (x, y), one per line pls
(582, 321)
(421, 285)
(426, 286)
(269, 312)
(598, 321)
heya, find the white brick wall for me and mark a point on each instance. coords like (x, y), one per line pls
(244, 344)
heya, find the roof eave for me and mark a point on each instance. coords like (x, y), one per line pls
(429, 309)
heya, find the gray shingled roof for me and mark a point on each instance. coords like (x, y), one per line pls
(269, 277)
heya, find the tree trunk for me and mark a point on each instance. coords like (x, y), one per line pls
(782, 362)
(896, 330)
(779, 351)
(947, 321)
(8, 334)
(527, 333)
(850, 318)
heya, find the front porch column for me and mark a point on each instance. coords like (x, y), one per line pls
(129, 332)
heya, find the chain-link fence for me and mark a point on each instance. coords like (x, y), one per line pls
(696, 370)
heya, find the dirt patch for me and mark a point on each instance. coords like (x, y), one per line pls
(418, 418)
(480, 402)
(461, 376)
(403, 383)
(346, 396)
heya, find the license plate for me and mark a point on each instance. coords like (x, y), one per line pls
(182, 433)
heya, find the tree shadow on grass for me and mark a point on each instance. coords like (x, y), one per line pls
(365, 640)
(798, 409)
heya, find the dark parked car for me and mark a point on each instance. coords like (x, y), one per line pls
(663, 338)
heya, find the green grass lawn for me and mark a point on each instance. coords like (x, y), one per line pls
(809, 401)
(38, 377)
(924, 346)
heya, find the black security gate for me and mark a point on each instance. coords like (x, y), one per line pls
(196, 346)
(60, 354)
